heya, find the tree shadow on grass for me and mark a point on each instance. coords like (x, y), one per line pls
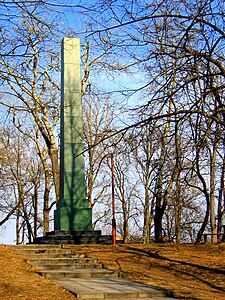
(194, 274)
(156, 255)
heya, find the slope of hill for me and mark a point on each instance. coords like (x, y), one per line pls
(19, 282)
(189, 271)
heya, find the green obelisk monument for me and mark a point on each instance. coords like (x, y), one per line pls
(72, 211)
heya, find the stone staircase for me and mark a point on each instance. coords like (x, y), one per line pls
(74, 237)
(87, 278)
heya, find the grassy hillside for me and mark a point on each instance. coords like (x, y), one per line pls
(19, 282)
(188, 271)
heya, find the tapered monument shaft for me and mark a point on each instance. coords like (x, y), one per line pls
(72, 211)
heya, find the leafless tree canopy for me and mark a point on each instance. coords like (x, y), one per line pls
(153, 93)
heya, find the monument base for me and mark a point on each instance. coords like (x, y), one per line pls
(78, 219)
(74, 237)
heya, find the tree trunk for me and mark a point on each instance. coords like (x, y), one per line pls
(46, 208)
(159, 199)
(207, 197)
(125, 228)
(35, 204)
(178, 197)
(146, 233)
(26, 218)
(212, 190)
(54, 156)
(178, 210)
(221, 204)
(159, 211)
(18, 225)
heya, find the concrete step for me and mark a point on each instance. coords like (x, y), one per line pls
(76, 259)
(43, 250)
(110, 288)
(74, 233)
(74, 237)
(79, 273)
(53, 255)
(69, 267)
(58, 240)
(33, 246)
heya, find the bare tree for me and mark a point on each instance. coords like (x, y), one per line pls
(184, 41)
(21, 174)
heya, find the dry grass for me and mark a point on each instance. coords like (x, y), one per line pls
(19, 282)
(188, 271)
